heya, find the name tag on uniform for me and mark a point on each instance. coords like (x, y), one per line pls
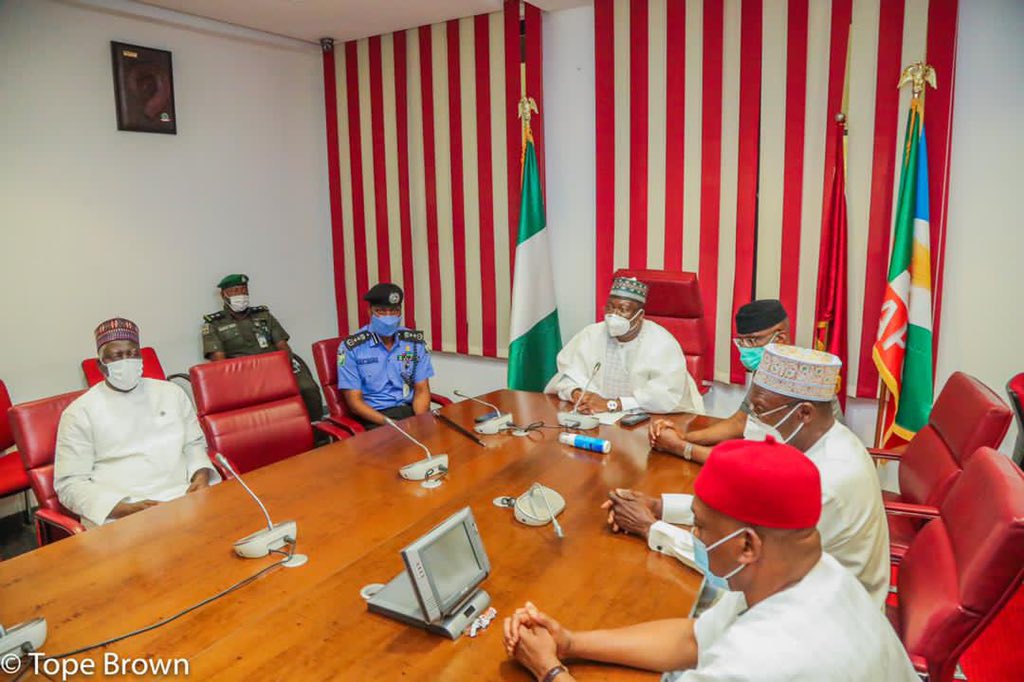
(366, 361)
(262, 340)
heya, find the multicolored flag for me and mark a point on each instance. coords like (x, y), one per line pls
(903, 350)
(830, 314)
(534, 334)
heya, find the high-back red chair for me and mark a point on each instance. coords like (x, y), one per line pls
(325, 357)
(35, 430)
(1015, 389)
(251, 411)
(963, 566)
(966, 416)
(13, 477)
(674, 301)
(151, 368)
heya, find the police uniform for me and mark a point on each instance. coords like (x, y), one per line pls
(253, 332)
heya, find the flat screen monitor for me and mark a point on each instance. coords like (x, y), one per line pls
(447, 564)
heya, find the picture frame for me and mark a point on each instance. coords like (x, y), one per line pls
(143, 89)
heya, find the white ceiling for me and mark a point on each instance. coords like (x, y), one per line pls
(339, 19)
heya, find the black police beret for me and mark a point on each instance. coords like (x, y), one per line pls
(759, 315)
(384, 293)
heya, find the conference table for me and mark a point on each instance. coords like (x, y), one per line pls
(354, 515)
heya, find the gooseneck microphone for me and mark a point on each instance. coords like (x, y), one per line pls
(430, 469)
(273, 537)
(586, 386)
(496, 422)
(575, 420)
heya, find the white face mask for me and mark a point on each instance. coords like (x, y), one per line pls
(756, 429)
(617, 325)
(124, 375)
(239, 303)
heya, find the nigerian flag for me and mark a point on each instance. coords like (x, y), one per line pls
(903, 350)
(534, 335)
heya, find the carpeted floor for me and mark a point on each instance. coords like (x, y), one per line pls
(16, 537)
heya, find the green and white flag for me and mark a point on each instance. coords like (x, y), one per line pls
(534, 334)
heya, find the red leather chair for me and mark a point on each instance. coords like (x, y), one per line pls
(13, 477)
(151, 368)
(963, 566)
(35, 430)
(1015, 388)
(674, 301)
(251, 410)
(325, 357)
(966, 416)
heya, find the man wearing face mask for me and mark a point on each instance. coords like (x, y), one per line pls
(641, 363)
(758, 323)
(240, 329)
(128, 443)
(793, 615)
(384, 369)
(790, 399)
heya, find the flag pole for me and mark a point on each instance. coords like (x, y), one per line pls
(883, 405)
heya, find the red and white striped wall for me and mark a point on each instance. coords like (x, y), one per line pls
(423, 157)
(713, 146)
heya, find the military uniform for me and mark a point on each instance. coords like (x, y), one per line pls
(257, 331)
(385, 377)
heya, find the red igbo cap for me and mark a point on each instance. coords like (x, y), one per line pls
(116, 329)
(762, 483)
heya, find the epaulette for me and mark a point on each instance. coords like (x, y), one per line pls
(358, 339)
(213, 317)
(259, 309)
(410, 335)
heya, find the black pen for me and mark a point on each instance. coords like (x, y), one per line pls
(468, 434)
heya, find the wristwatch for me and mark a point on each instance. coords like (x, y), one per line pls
(688, 452)
(613, 405)
(554, 672)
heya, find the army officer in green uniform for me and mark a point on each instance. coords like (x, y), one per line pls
(240, 330)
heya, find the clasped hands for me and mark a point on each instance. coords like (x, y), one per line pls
(536, 640)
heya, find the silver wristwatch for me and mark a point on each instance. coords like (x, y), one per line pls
(613, 405)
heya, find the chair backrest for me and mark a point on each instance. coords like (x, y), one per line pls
(35, 431)
(964, 566)
(6, 434)
(966, 416)
(251, 410)
(325, 357)
(1015, 389)
(151, 367)
(674, 301)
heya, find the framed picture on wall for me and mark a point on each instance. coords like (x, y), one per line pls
(143, 89)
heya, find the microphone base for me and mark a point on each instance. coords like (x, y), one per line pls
(23, 638)
(575, 420)
(259, 544)
(425, 468)
(494, 425)
(295, 561)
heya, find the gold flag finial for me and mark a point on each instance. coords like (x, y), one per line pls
(526, 106)
(918, 74)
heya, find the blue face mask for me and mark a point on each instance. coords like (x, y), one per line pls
(751, 357)
(700, 557)
(385, 325)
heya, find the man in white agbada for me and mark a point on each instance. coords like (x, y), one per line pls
(128, 443)
(790, 398)
(641, 363)
(795, 614)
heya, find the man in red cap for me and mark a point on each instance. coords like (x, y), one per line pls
(794, 615)
(128, 443)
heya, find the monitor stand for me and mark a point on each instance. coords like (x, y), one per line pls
(398, 600)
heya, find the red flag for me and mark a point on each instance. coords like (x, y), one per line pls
(830, 316)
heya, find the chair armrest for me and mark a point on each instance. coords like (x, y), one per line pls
(920, 511)
(179, 375)
(887, 455)
(440, 399)
(333, 430)
(61, 521)
(920, 666)
(347, 423)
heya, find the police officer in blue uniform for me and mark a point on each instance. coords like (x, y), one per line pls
(384, 369)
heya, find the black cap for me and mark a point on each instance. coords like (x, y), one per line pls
(757, 316)
(385, 293)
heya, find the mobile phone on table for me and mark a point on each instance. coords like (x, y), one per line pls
(634, 419)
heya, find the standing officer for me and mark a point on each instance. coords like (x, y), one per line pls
(240, 330)
(384, 369)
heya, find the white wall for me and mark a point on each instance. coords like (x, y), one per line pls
(95, 222)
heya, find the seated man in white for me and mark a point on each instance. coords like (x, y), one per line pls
(128, 443)
(794, 615)
(641, 363)
(791, 401)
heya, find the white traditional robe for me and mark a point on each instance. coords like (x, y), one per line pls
(648, 372)
(113, 447)
(853, 527)
(824, 628)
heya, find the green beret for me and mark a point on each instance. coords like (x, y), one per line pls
(233, 281)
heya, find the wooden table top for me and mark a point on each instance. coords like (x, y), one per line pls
(354, 515)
